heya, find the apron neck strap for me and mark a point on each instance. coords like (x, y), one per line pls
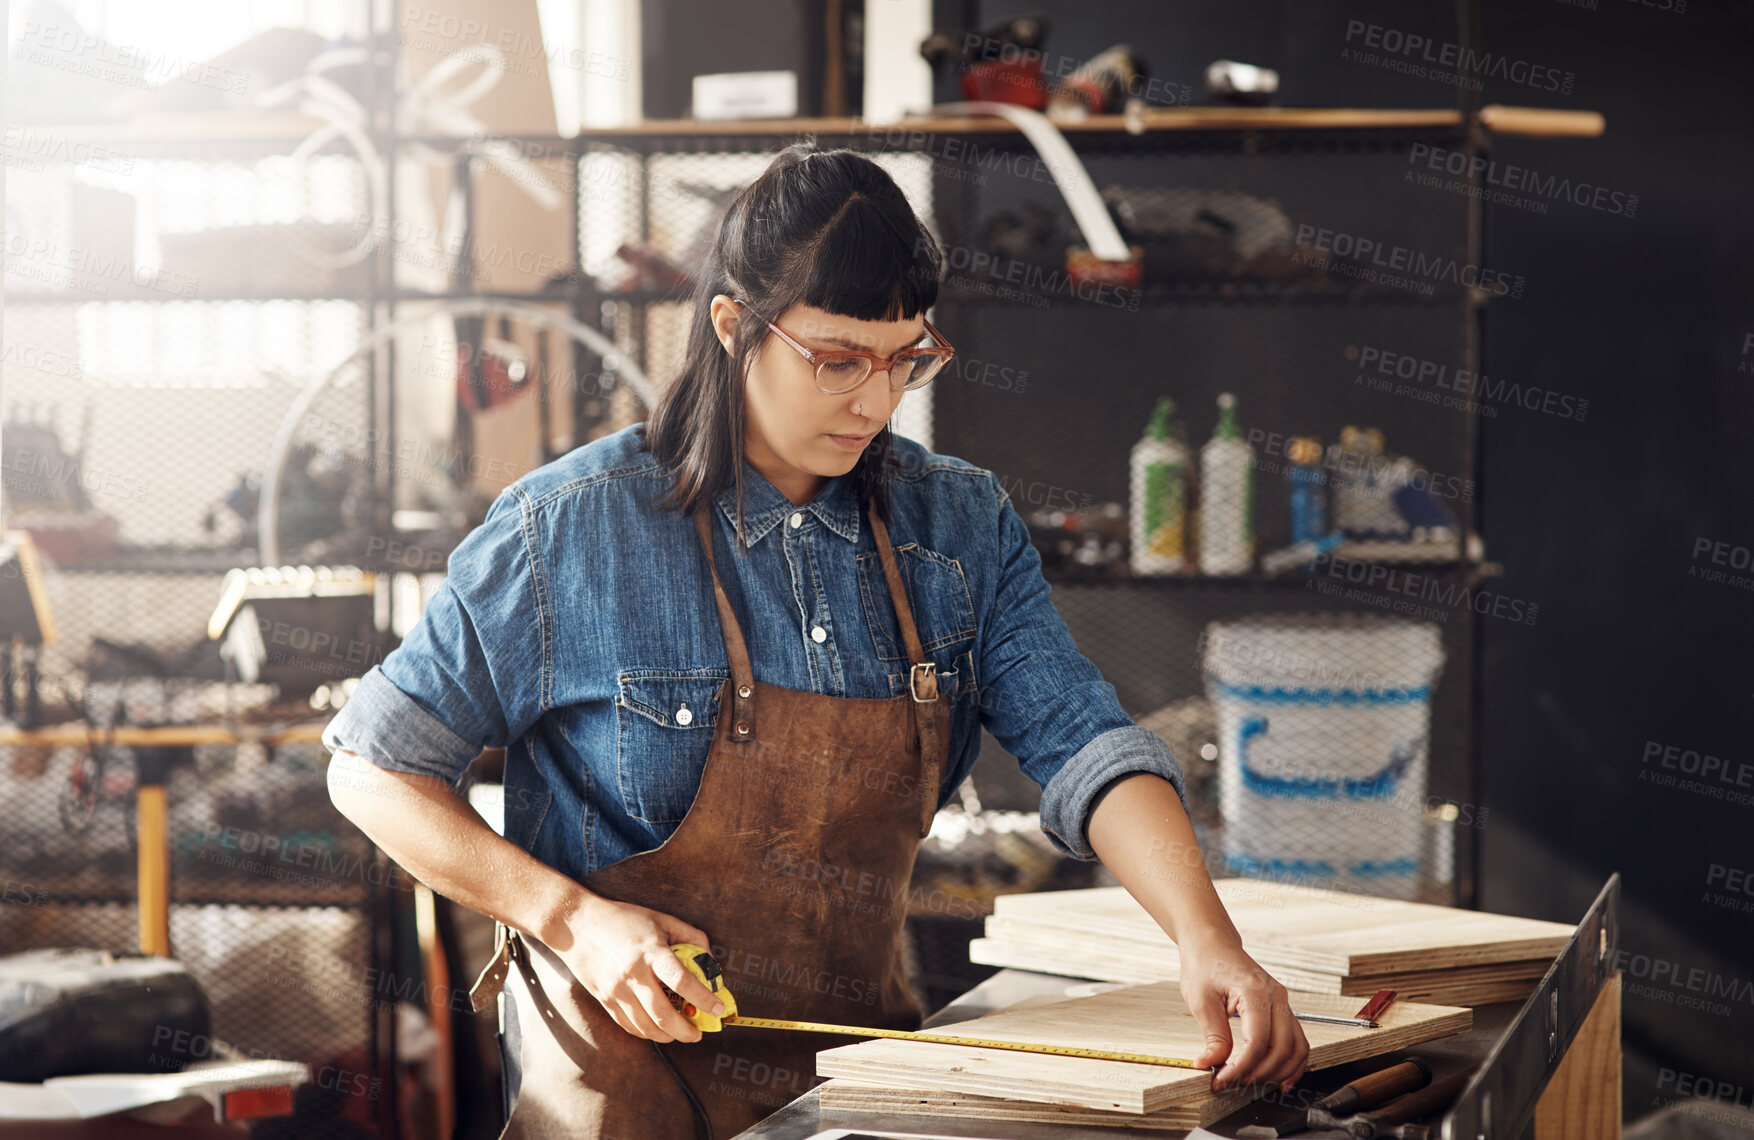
(742, 674)
(922, 676)
(922, 683)
(910, 636)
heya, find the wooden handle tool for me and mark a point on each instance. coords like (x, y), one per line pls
(1433, 1098)
(1368, 1091)
(1376, 1088)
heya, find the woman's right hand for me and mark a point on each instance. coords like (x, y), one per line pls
(621, 953)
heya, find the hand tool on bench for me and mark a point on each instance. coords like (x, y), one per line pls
(1396, 1119)
(1365, 1018)
(1364, 1093)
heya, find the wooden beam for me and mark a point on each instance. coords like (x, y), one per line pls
(153, 869)
(78, 733)
(1542, 122)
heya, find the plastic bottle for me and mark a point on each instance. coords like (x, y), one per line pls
(1227, 477)
(1160, 495)
(1303, 470)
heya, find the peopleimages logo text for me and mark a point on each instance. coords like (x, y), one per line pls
(1433, 267)
(1443, 53)
(1509, 176)
(1465, 382)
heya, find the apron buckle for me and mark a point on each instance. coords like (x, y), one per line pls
(913, 682)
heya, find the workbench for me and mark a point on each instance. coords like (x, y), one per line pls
(1550, 1066)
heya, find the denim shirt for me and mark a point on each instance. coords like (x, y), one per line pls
(576, 628)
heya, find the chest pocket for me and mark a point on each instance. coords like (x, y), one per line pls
(938, 592)
(664, 730)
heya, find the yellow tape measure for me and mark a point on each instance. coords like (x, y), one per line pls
(704, 966)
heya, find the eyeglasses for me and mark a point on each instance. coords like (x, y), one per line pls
(842, 370)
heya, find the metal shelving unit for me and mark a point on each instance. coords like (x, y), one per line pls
(1192, 335)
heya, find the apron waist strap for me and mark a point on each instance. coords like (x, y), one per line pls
(492, 980)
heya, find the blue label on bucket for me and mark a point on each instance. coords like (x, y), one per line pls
(1262, 694)
(1378, 785)
(1319, 868)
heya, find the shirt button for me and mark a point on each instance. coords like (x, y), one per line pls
(684, 716)
(797, 519)
(818, 635)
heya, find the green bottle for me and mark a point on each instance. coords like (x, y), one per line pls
(1160, 495)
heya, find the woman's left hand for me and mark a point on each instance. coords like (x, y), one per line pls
(1218, 979)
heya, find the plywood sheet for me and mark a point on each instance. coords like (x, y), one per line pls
(855, 1096)
(1047, 953)
(1138, 1019)
(1330, 932)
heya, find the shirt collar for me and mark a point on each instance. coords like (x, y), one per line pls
(765, 505)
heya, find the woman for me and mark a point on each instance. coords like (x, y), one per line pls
(738, 656)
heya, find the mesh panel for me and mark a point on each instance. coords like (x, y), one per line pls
(163, 313)
(271, 904)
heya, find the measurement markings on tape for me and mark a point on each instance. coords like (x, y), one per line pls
(949, 1039)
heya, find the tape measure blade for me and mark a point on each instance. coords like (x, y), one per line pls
(975, 1042)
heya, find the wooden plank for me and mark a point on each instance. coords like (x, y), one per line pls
(1137, 1019)
(1019, 946)
(1154, 959)
(1542, 122)
(1016, 944)
(1582, 1100)
(1331, 932)
(1154, 119)
(844, 1095)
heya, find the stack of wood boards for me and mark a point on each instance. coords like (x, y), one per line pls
(1319, 941)
(930, 1078)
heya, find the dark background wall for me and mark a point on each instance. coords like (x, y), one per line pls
(1595, 521)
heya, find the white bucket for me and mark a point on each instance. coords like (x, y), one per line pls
(1323, 725)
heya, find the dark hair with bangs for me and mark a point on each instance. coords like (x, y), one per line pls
(829, 229)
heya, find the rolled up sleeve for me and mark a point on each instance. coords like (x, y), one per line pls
(470, 673)
(1066, 800)
(1047, 704)
(385, 725)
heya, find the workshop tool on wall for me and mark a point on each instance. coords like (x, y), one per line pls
(275, 545)
(1002, 63)
(1101, 85)
(704, 966)
(1204, 232)
(26, 624)
(1241, 84)
(1105, 258)
(492, 371)
(44, 486)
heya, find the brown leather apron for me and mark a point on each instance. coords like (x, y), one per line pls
(795, 858)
